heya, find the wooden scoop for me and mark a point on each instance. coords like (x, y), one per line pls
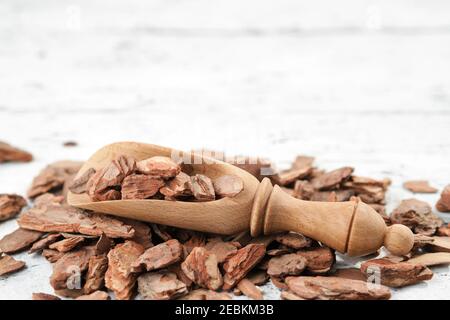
(350, 227)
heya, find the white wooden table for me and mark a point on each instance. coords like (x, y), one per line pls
(363, 83)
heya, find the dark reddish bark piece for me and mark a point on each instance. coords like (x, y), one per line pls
(104, 184)
(79, 185)
(53, 177)
(333, 288)
(443, 203)
(332, 196)
(201, 267)
(350, 273)
(95, 276)
(96, 295)
(416, 215)
(11, 205)
(44, 296)
(140, 186)
(161, 232)
(288, 177)
(8, 153)
(47, 199)
(52, 255)
(258, 277)
(142, 232)
(162, 167)
(119, 277)
(67, 245)
(68, 270)
(394, 274)
(18, 240)
(202, 188)
(332, 179)
(303, 190)
(444, 230)
(179, 186)
(160, 286)
(237, 266)
(258, 167)
(419, 186)
(61, 218)
(228, 186)
(103, 245)
(159, 256)
(319, 259)
(286, 265)
(222, 250)
(293, 240)
(9, 265)
(44, 242)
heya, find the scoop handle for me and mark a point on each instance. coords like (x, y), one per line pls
(350, 227)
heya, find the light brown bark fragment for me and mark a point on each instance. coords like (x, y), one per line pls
(237, 266)
(228, 186)
(9, 265)
(18, 240)
(8, 153)
(160, 286)
(162, 167)
(11, 205)
(202, 188)
(286, 265)
(159, 256)
(332, 288)
(443, 203)
(79, 185)
(140, 186)
(419, 186)
(201, 267)
(119, 276)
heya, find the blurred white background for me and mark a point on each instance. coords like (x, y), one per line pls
(355, 82)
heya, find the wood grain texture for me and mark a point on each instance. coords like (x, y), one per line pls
(363, 83)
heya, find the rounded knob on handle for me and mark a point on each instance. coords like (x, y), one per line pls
(399, 239)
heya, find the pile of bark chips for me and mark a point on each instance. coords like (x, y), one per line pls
(96, 256)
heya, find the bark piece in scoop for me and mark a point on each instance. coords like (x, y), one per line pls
(319, 259)
(201, 267)
(332, 288)
(8, 153)
(395, 275)
(10, 205)
(241, 263)
(68, 270)
(61, 218)
(140, 186)
(443, 203)
(9, 265)
(119, 276)
(67, 245)
(79, 185)
(160, 286)
(417, 215)
(179, 186)
(95, 277)
(293, 240)
(332, 179)
(202, 188)
(159, 256)
(53, 177)
(286, 265)
(162, 167)
(18, 240)
(419, 186)
(104, 184)
(228, 186)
